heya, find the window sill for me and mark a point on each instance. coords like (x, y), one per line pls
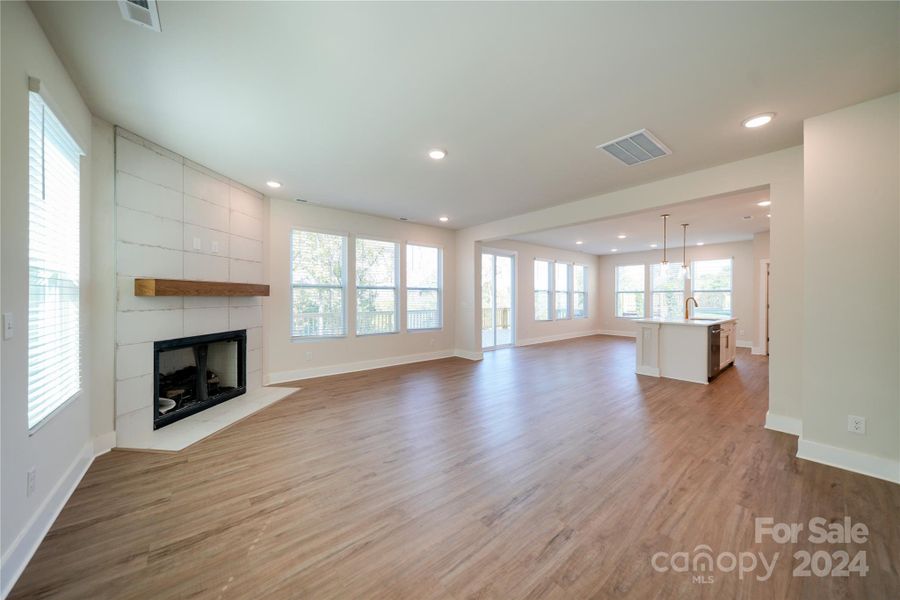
(425, 330)
(302, 339)
(377, 333)
(40, 424)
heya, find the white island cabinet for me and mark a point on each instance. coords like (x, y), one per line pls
(682, 349)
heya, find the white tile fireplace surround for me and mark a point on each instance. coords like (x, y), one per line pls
(178, 220)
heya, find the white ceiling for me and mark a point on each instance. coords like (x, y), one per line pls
(711, 221)
(341, 101)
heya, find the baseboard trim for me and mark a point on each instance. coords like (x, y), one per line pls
(629, 334)
(104, 443)
(757, 350)
(650, 371)
(469, 354)
(783, 424)
(363, 365)
(744, 344)
(556, 337)
(849, 460)
(19, 553)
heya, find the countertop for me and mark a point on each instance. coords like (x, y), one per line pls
(689, 323)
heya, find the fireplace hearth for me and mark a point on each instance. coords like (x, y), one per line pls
(195, 373)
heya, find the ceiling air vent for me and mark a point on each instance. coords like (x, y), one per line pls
(141, 12)
(636, 148)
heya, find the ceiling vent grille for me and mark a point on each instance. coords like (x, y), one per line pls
(636, 148)
(141, 12)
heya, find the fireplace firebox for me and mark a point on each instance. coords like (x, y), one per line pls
(195, 373)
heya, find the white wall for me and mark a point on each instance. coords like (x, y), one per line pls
(287, 360)
(530, 331)
(760, 253)
(164, 203)
(62, 448)
(852, 333)
(742, 291)
(782, 171)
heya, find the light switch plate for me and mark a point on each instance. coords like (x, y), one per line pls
(9, 329)
(856, 424)
(215, 247)
(197, 243)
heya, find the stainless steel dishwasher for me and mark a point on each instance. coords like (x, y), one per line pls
(715, 350)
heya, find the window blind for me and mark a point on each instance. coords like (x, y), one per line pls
(318, 284)
(376, 287)
(423, 287)
(54, 337)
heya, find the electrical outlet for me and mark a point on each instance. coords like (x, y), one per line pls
(9, 329)
(308, 356)
(215, 247)
(198, 244)
(856, 424)
(29, 481)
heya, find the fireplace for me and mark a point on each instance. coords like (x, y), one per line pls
(195, 373)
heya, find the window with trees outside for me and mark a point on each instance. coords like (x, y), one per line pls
(377, 269)
(423, 287)
(630, 291)
(711, 287)
(318, 284)
(579, 291)
(54, 255)
(562, 290)
(667, 291)
(542, 290)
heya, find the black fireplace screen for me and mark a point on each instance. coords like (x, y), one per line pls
(194, 373)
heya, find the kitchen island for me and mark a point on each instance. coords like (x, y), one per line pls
(688, 349)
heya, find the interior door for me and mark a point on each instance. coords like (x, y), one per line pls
(497, 300)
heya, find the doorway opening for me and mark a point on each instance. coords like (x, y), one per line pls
(498, 315)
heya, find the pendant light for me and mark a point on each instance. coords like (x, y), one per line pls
(665, 260)
(684, 266)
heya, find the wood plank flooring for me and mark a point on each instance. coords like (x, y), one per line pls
(548, 471)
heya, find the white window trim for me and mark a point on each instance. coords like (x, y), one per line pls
(685, 290)
(440, 288)
(398, 247)
(551, 283)
(643, 291)
(344, 286)
(730, 289)
(568, 291)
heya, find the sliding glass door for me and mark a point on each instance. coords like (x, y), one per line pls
(497, 299)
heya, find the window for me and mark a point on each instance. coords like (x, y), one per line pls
(541, 290)
(712, 281)
(54, 335)
(562, 290)
(630, 291)
(423, 287)
(319, 284)
(376, 287)
(579, 291)
(667, 287)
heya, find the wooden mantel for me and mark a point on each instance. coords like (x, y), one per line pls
(183, 287)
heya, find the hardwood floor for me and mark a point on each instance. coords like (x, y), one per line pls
(547, 471)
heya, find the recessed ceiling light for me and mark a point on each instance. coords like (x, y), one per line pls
(769, 215)
(699, 243)
(578, 243)
(653, 245)
(273, 184)
(437, 153)
(614, 250)
(757, 120)
(764, 203)
(444, 219)
(621, 236)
